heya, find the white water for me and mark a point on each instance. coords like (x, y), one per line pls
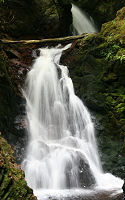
(61, 132)
(81, 22)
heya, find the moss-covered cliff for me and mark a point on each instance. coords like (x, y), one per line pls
(12, 183)
(97, 67)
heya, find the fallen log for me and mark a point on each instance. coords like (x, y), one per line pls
(49, 40)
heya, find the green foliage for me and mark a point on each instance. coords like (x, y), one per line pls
(116, 101)
(110, 52)
(121, 55)
(120, 108)
(113, 53)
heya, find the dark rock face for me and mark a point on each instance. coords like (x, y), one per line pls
(7, 97)
(11, 103)
(86, 178)
(65, 17)
(102, 11)
(97, 68)
(35, 18)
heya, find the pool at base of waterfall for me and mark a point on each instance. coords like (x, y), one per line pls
(78, 194)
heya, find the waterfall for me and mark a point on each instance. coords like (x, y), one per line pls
(81, 22)
(62, 152)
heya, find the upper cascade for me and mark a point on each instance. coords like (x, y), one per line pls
(82, 23)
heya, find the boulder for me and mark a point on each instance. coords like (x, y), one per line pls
(83, 173)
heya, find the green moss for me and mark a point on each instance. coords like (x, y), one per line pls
(12, 183)
(110, 100)
(120, 108)
(114, 30)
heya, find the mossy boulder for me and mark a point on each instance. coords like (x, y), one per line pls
(97, 67)
(34, 18)
(12, 183)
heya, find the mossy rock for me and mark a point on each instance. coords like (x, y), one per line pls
(12, 181)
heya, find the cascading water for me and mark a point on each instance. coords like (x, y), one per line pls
(62, 151)
(81, 22)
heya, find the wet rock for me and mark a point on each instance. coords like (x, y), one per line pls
(123, 187)
(85, 176)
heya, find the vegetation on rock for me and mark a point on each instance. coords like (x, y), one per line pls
(97, 67)
(12, 183)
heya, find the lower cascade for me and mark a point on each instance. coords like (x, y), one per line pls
(62, 154)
